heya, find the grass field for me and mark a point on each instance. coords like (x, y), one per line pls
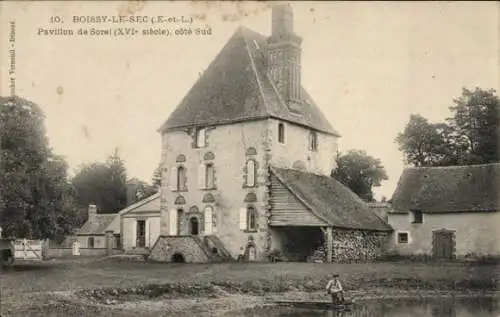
(24, 286)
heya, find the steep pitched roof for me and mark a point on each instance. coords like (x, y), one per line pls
(331, 200)
(99, 226)
(448, 189)
(235, 87)
(148, 204)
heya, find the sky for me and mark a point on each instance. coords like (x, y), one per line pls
(368, 65)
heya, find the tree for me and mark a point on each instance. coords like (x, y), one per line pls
(469, 136)
(102, 184)
(157, 176)
(36, 194)
(142, 190)
(425, 143)
(475, 126)
(360, 172)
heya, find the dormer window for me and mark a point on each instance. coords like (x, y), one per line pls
(417, 216)
(200, 137)
(313, 141)
(281, 133)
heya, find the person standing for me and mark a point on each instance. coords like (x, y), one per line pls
(335, 289)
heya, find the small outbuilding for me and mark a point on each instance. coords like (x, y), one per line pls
(447, 212)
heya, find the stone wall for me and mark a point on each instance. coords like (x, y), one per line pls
(51, 253)
(353, 246)
(189, 247)
(295, 149)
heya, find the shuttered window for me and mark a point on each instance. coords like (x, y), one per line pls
(251, 219)
(181, 178)
(248, 219)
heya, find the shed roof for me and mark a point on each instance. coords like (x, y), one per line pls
(469, 188)
(331, 200)
(235, 87)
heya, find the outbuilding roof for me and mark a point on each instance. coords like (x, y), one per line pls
(469, 188)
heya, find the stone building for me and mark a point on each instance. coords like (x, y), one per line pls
(247, 157)
(93, 232)
(447, 212)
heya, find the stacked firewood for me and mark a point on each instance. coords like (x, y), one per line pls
(318, 255)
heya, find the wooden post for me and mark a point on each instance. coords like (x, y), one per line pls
(329, 244)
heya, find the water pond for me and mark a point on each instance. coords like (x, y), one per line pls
(434, 307)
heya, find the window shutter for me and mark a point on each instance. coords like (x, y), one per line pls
(173, 178)
(214, 176)
(146, 233)
(208, 220)
(201, 176)
(172, 216)
(133, 232)
(243, 218)
(214, 220)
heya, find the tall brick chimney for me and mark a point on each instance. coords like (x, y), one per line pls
(285, 56)
(92, 213)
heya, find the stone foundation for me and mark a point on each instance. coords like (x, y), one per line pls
(189, 247)
(353, 246)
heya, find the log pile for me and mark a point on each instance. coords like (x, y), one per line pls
(318, 255)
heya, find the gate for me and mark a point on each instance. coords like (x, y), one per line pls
(30, 250)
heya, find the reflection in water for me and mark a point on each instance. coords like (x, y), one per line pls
(436, 307)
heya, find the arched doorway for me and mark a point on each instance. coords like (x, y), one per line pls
(178, 258)
(252, 253)
(194, 226)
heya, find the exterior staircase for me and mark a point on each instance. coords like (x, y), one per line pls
(189, 248)
(217, 249)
